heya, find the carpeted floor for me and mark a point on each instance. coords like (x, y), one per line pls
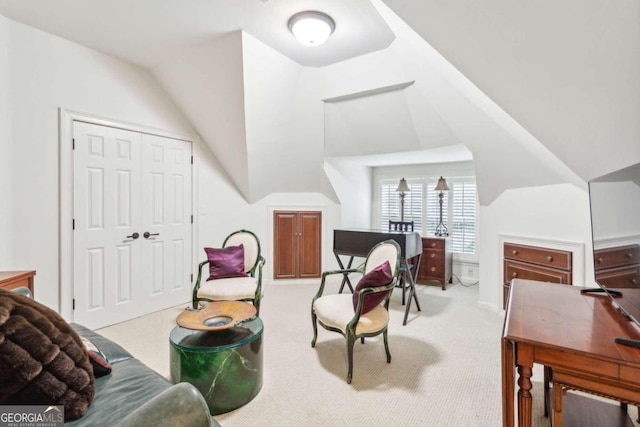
(445, 368)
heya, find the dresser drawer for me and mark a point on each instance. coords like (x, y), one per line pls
(541, 256)
(430, 243)
(622, 277)
(433, 264)
(433, 256)
(616, 257)
(521, 270)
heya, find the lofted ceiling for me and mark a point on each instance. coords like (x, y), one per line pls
(521, 90)
(145, 32)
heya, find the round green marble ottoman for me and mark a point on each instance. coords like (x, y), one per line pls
(225, 365)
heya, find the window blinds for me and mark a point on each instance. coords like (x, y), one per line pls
(463, 217)
(390, 203)
(422, 206)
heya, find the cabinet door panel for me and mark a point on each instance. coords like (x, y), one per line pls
(309, 244)
(285, 248)
(297, 244)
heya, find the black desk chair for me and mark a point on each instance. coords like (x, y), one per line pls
(402, 226)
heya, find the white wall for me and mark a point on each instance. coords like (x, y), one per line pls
(566, 71)
(6, 210)
(47, 73)
(284, 123)
(223, 210)
(615, 207)
(557, 213)
(450, 103)
(206, 81)
(352, 183)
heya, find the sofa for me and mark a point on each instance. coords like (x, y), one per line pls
(135, 395)
(131, 394)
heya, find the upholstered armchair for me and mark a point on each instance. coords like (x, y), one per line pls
(365, 313)
(235, 271)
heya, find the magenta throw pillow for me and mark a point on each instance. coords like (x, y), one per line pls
(226, 262)
(379, 276)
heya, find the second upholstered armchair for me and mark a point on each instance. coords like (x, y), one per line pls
(365, 313)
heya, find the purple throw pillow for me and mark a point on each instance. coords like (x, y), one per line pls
(226, 262)
(379, 276)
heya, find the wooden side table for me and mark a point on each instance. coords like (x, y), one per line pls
(437, 261)
(14, 279)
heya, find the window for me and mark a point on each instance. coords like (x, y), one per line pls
(458, 208)
(433, 207)
(463, 217)
(390, 203)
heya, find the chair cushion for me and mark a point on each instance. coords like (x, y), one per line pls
(336, 311)
(379, 276)
(233, 288)
(226, 262)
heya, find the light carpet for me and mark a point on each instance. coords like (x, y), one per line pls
(445, 367)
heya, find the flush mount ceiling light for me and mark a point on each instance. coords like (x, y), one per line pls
(311, 28)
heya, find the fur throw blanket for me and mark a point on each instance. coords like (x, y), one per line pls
(42, 359)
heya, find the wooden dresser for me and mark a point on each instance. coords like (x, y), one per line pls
(436, 263)
(535, 263)
(618, 267)
(15, 279)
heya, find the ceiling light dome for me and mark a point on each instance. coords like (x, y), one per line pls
(311, 28)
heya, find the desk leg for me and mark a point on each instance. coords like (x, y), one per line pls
(507, 384)
(558, 392)
(412, 292)
(524, 360)
(345, 278)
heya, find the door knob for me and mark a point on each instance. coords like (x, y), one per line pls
(147, 234)
(134, 236)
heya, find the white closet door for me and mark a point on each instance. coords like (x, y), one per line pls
(166, 221)
(126, 184)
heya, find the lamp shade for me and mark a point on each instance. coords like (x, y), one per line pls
(403, 187)
(311, 28)
(442, 185)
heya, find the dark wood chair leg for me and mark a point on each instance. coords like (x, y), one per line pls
(315, 328)
(350, 342)
(386, 346)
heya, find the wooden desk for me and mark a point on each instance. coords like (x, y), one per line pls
(14, 279)
(572, 334)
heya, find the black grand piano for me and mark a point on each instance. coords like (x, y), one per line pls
(358, 242)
